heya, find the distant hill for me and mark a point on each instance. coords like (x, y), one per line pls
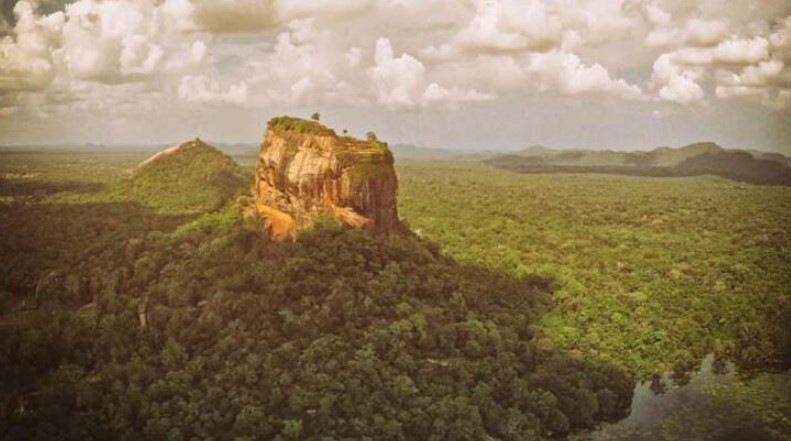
(667, 157)
(537, 150)
(691, 160)
(661, 157)
(739, 166)
(188, 177)
(776, 157)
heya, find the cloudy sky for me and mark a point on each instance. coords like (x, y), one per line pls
(465, 74)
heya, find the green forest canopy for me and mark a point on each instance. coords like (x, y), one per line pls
(195, 326)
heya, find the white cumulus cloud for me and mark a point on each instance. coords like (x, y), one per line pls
(331, 52)
(509, 25)
(742, 50)
(202, 89)
(400, 82)
(676, 82)
(566, 73)
(25, 58)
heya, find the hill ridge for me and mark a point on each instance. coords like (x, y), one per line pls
(701, 158)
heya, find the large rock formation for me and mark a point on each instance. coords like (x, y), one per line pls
(306, 171)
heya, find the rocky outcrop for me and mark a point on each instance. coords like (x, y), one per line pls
(305, 171)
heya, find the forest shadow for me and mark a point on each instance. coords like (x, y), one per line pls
(461, 328)
(33, 188)
(341, 333)
(69, 237)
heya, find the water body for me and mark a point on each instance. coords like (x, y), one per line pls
(715, 403)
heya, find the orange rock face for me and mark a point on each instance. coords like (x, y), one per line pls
(305, 171)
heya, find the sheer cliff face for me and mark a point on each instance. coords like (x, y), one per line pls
(305, 171)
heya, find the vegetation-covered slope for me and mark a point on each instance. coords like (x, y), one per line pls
(190, 177)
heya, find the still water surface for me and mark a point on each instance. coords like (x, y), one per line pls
(721, 406)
